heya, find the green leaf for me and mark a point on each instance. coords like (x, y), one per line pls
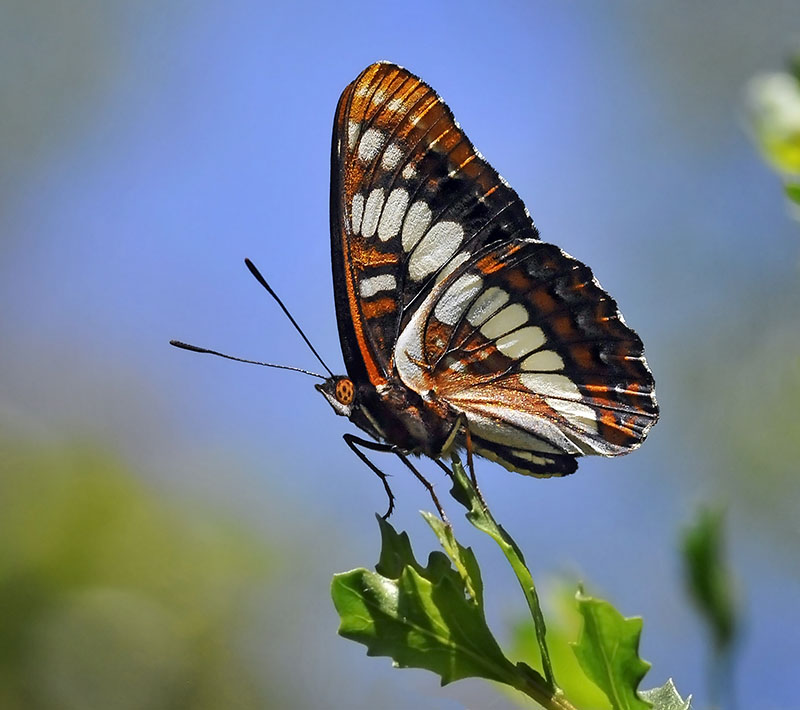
(431, 617)
(462, 557)
(420, 617)
(773, 101)
(608, 651)
(396, 552)
(793, 191)
(563, 626)
(708, 578)
(794, 66)
(666, 698)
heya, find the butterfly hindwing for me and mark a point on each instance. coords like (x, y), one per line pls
(524, 341)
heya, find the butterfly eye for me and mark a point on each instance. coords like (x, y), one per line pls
(345, 392)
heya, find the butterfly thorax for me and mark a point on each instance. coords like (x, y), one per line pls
(394, 414)
(402, 417)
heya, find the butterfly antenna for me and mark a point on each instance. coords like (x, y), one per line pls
(197, 349)
(263, 282)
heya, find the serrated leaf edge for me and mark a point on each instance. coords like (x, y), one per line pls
(643, 666)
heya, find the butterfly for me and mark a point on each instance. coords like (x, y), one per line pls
(461, 329)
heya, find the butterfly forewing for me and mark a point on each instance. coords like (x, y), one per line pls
(411, 197)
(443, 285)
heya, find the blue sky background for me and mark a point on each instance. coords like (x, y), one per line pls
(150, 147)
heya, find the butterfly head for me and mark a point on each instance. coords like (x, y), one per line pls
(340, 393)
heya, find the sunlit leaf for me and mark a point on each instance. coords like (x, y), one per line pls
(773, 102)
(421, 617)
(563, 627)
(432, 617)
(462, 557)
(608, 651)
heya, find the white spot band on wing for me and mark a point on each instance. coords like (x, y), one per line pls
(372, 285)
(393, 212)
(391, 157)
(353, 129)
(459, 259)
(505, 320)
(547, 385)
(370, 144)
(415, 224)
(408, 172)
(486, 304)
(372, 211)
(434, 250)
(453, 303)
(357, 210)
(521, 341)
(518, 429)
(544, 361)
(577, 413)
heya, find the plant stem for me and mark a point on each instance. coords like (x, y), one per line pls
(480, 516)
(547, 698)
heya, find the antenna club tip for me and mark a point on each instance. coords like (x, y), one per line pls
(186, 346)
(257, 274)
(251, 267)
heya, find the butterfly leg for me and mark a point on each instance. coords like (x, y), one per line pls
(471, 467)
(352, 441)
(444, 468)
(461, 424)
(425, 482)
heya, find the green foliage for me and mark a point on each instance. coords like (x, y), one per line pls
(423, 617)
(111, 597)
(793, 191)
(608, 651)
(794, 66)
(429, 617)
(564, 623)
(708, 578)
(478, 514)
(774, 110)
(773, 103)
(433, 617)
(711, 586)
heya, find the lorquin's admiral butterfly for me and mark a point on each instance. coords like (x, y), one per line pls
(460, 329)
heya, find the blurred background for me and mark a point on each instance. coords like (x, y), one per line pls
(170, 523)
